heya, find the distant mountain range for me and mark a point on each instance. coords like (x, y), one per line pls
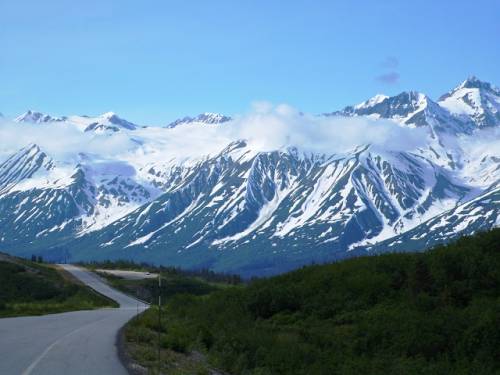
(250, 211)
(204, 118)
(106, 122)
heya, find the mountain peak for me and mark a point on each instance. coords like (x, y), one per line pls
(32, 147)
(475, 101)
(412, 96)
(205, 118)
(109, 115)
(473, 82)
(110, 121)
(21, 165)
(411, 108)
(37, 117)
(212, 118)
(399, 107)
(379, 98)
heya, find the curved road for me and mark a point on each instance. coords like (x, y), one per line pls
(80, 342)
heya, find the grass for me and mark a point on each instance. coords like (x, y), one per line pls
(30, 288)
(436, 312)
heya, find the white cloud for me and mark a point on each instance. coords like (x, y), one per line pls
(265, 127)
(283, 126)
(60, 140)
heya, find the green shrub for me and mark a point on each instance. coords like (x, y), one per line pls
(436, 312)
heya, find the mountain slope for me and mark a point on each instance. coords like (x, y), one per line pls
(242, 210)
(463, 220)
(43, 201)
(22, 166)
(198, 196)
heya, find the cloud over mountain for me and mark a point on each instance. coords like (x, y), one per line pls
(266, 127)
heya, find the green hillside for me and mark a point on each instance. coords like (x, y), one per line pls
(436, 312)
(31, 288)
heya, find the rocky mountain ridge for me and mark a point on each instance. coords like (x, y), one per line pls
(251, 211)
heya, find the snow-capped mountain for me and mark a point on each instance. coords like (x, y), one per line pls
(110, 121)
(43, 201)
(474, 101)
(107, 122)
(409, 108)
(235, 205)
(203, 118)
(37, 117)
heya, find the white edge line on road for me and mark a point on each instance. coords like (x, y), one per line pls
(46, 351)
(31, 367)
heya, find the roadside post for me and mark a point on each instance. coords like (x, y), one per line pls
(159, 322)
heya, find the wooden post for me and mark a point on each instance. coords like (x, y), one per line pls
(159, 323)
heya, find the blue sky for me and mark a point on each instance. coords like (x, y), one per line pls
(154, 61)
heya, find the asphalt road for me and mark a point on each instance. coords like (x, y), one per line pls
(80, 342)
(130, 275)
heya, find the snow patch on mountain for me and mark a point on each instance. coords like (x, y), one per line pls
(275, 184)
